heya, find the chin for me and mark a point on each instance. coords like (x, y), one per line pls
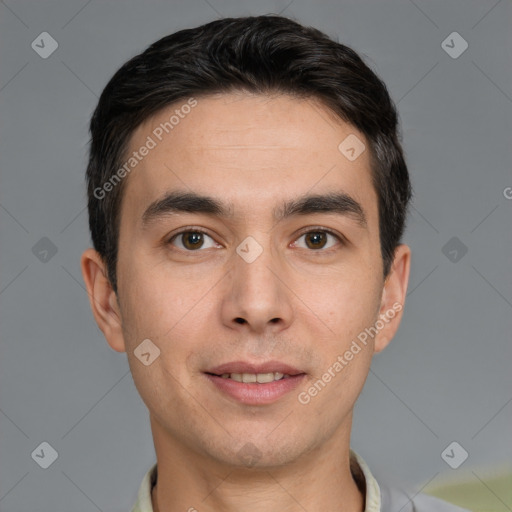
(260, 450)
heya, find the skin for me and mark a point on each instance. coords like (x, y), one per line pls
(302, 306)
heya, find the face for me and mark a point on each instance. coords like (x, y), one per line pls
(249, 248)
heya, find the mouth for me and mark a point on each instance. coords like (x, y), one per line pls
(255, 384)
(251, 378)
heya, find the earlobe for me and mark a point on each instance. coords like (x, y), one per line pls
(102, 299)
(393, 297)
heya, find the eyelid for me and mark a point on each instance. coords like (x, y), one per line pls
(315, 229)
(187, 229)
(308, 229)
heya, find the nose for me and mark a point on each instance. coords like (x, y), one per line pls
(257, 298)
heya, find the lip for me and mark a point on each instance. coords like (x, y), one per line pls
(245, 367)
(255, 393)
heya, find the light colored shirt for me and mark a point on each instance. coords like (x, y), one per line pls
(377, 499)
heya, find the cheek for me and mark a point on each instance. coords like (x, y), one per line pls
(175, 314)
(154, 301)
(168, 319)
(345, 304)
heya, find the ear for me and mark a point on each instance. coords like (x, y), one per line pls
(103, 299)
(393, 297)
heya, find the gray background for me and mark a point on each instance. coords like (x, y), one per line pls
(446, 376)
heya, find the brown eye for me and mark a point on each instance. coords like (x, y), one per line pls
(192, 240)
(316, 240)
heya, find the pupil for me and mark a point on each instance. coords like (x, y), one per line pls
(194, 240)
(316, 239)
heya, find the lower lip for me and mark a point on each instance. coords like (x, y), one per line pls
(255, 393)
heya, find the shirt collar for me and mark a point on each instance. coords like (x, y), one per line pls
(360, 472)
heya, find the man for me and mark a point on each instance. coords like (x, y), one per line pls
(247, 196)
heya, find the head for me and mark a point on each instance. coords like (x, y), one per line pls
(211, 153)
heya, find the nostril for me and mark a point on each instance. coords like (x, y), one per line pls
(239, 320)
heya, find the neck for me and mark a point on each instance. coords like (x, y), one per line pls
(188, 481)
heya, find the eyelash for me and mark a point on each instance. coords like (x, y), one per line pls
(313, 229)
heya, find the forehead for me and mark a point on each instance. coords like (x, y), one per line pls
(249, 149)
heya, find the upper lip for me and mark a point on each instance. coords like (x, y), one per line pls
(245, 367)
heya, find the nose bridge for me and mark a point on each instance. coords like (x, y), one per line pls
(252, 264)
(257, 295)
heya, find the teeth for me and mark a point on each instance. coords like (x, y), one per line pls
(261, 378)
(265, 377)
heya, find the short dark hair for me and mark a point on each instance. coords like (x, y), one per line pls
(261, 54)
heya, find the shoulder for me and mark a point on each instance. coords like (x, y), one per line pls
(381, 498)
(393, 499)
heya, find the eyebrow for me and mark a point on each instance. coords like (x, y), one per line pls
(190, 202)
